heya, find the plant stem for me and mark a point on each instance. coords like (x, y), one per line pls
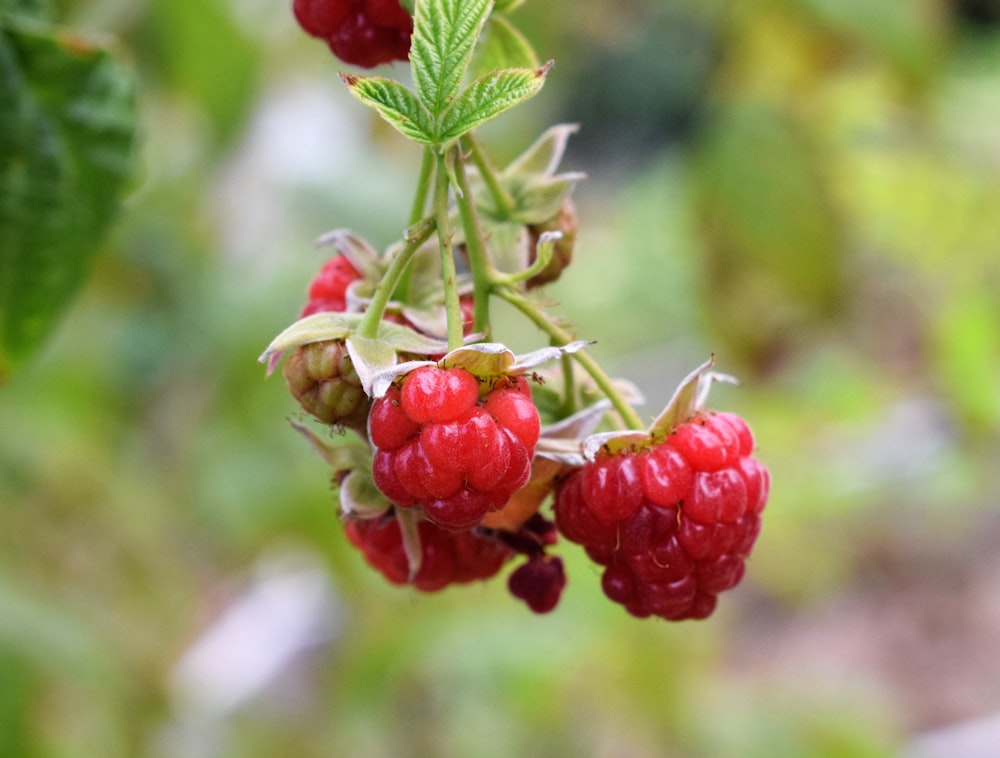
(449, 275)
(383, 291)
(423, 186)
(503, 200)
(479, 261)
(562, 337)
(417, 211)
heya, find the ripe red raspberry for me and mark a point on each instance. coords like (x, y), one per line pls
(443, 448)
(672, 524)
(446, 557)
(328, 290)
(360, 32)
(322, 378)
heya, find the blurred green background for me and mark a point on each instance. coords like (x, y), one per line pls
(808, 188)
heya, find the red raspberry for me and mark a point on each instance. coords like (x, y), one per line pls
(322, 378)
(360, 32)
(446, 557)
(328, 290)
(673, 524)
(539, 582)
(443, 448)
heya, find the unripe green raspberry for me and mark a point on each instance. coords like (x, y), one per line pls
(322, 378)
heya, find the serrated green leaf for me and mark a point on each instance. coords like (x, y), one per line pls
(395, 103)
(503, 46)
(488, 97)
(66, 140)
(444, 35)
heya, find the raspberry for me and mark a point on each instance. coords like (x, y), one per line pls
(322, 378)
(328, 290)
(446, 557)
(672, 524)
(444, 449)
(360, 32)
(539, 582)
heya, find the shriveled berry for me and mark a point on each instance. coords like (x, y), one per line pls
(539, 582)
(564, 221)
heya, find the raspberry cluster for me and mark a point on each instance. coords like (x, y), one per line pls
(363, 33)
(672, 524)
(451, 446)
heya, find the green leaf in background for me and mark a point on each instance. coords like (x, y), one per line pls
(395, 103)
(66, 140)
(201, 51)
(444, 35)
(36, 9)
(488, 97)
(772, 242)
(503, 46)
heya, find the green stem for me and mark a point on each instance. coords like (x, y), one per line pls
(383, 291)
(449, 275)
(417, 211)
(562, 337)
(504, 202)
(419, 207)
(483, 273)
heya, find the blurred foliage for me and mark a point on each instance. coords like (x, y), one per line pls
(805, 187)
(65, 154)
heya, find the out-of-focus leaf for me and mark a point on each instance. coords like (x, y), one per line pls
(771, 235)
(38, 9)
(204, 54)
(904, 33)
(66, 140)
(967, 353)
(503, 46)
(15, 699)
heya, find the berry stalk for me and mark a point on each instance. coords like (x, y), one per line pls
(449, 275)
(561, 337)
(391, 280)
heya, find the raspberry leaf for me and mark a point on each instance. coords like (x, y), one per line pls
(444, 35)
(395, 103)
(488, 97)
(503, 46)
(67, 126)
